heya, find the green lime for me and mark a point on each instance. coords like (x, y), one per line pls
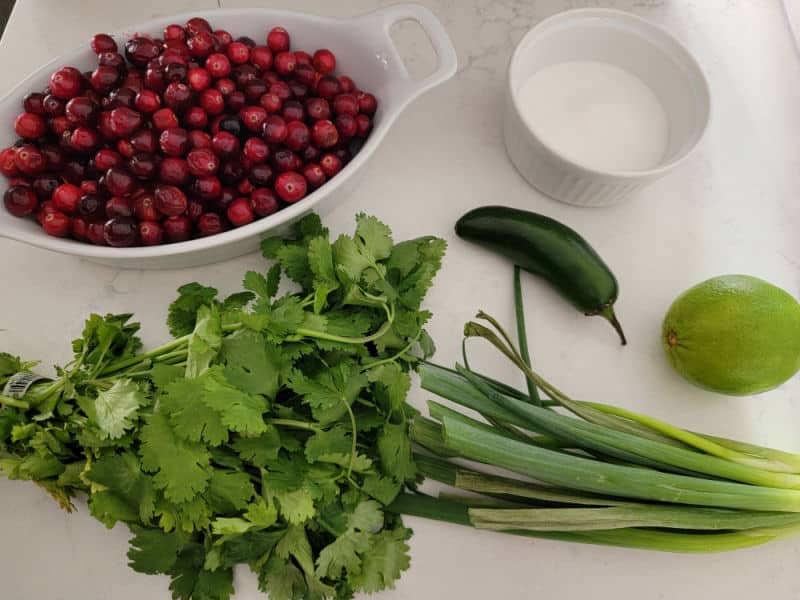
(734, 334)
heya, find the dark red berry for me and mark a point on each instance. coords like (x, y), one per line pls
(91, 208)
(89, 186)
(210, 224)
(201, 44)
(346, 126)
(43, 185)
(202, 163)
(330, 164)
(143, 165)
(120, 232)
(314, 175)
(207, 188)
(324, 61)
(175, 72)
(82, 111)
(303, 58)
(218, 65)
(174, 32)
(194, 210)
(144, 140)
(253, 117)
(298, 136)
(231, 172)
(304, 74)
(346, 84)
(174, 141)
(118, 207)
(318, 108)
(254, 89)
(278, 40)
(240, 213)
(20, 200)
(178, 54)
(284, 160)
(122, 97)
(328, 87)
(53, 107)
(260, 175)
(275, 130)
(225, 86)
(256, 150)
(174, 171)
(224, 38)
(124, 121)
(244, 187)
(280, 89)
(66, 83)
(311, 154)
(199, 79)
(155, 79)
(324, 134)
(291, 186)
(197, 25)
(30, 126)
(367, 103)
(104, 79)
(78, 229)
(364, 124)
(56, 223)
(199, 139)
(235, 101)
(103, 42)
(95, 233)
(238, 53)
(293, 111)
(141, 50)
(111, 59)
(84, 140)
(106, 158)
(263, 202)
(144, 208)
(147, 101)
(29, 160)
(261, 57)
(7, 165)
(150, 232)
(170, 200)
(164, 118)
(177, 228)
(226, 145)
(284, 63)
(177, 96)
(34, 103)
(195, 117)
(270, 102)
(212, 101)
(345, 104)
(118, 181)
(73, 172)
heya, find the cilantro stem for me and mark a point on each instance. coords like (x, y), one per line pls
(295, 424)
(394, 357)
(14, 402)
(353, 448)
(320, 335)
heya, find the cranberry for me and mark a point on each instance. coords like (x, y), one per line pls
(34, 103)
(346, 126)
(280, 89)
(20, 200)
(201, 44)
(244, 187)
(155, 79)
(284, 160)
(263, 202)
(278, 40)
(29, 160)
(293, 111)
(194, 210)
(43, 210)
(165, 118)
(177, 96)
(256, 150)
(202, 163)
(318, 108)
(285, 63)
(330, 164)
(226, 145)
(270, 77)
(66, 83)
(89, 186)
(118, 181)
(260, 175)
(106, 158)
(243, 74)
(78, 229)
(235, 101)
(30, 126)
(364, 125)
(297, 136)
(124, 121)
(144, 208)
(255, 88)
(275, 130)
(174, 141)
(175, 72)
(343, 155)
(207, 188)
(324, 134)
(120, 232)
(212, 101)
(231, 172)
(238, 53)
(7, 165)
(82, 110)
(177, 228)
(174, 32)
(303, 58)
(328, 87)
(83, 140)
(53, 157)
(197, 25)
(218, 65)
(173, 170)
(199, 139)
(240, 213)
(53, 107)
(56, 223)
(104, 79)
(103, 42)
(270, 102)
(147, 101)
(254, 117)
(150, 232)
(141, 50)
(111, 59)
(367, 103)
(345, 104)
(74, 172)
(170, 200)
(324, 61)
(314, 175)
(199, 79)
(103, 125)
(91, 208)
(225, 86)
(196, 117)
(118, 207)
(346, 84)
(232, 125)
(143, 165)
(144, 140)
(261, 57)
(95, 234)
(291, 186)
(224, 38)
(210, 224)
(304, 74)
(44, 185)
(227, 196)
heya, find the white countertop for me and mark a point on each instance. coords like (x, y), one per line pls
(734, 207)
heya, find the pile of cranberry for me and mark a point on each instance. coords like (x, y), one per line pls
(191, 135)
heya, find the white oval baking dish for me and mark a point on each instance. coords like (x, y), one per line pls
(364, 50)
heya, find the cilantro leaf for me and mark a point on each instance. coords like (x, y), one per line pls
(251, 364)
(335, 446)
(281, 580)
(350, 262)
(117, 408)
(393, 381)
(183, 310)
(192, 515)
(191, 419)
(190, 581)
(205, 341)
(394, 449)
(374, 235)
(259, 451)
(240, 411)
(343, 555)
(385, 560)
(367, 516)
(295, 543)
(229, 491)
(153, 551)
(127, 494)
(294, 261)
(383, 489)
(248, 547)
(331, 392)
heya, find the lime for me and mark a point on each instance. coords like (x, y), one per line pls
(734, 334)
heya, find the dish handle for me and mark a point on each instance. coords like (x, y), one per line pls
(446, 58)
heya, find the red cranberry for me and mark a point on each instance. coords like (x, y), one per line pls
(65, 83)
(314, 175)
(118, 181)
(144, 140)
(111, 59)
(174, 32)
(254, 89)
(275, 130)
(29, 125)
(226, 145)
(174, 171)
(20, 200)
(207, 188)
(224, 38)
(43, 210)
(303, 58)
(218, 65)
(270, 102)
(297, 136)
(106, 158)
(73, 172)
(243, 74)
(89, 186)
(284, 160)
(103, 125)
(228, 195)
(210, 224)
(238, 53)
(150, 232)
(91, 208)
(199, 139)
(330, 164)
(175, 73)
(324, 134)
(346, 126)
(284, 63)
(103, 42)
(364, 125)
(270, 77)
(95, 234)
(367, 103)
(304, 73)
(345, 104)
(7, 165)
(324, 61)
(212, 101)
(202, 163)
(177, 96)
(147, 101)
(120, 232)
(196, 117)
(53, 157)
(293, 111)
(174, 141)
(261, 57)
(253, 117)
(263, 202)
(143, 165)
(29, 160)
(231, 172)
(155, 79)
(291, 186)
(44, 185)
(118, 207)
(78, 229)
(240, 213)
(260, 175)
(125, 148)
(346, 84)
(244, 187)
(201, 44)
(256, 150)
(124, 121)
(84, 140)
(235, 101)
(178, 54)
(52, 106)
(34, 103)
(318, 108)
(328, 87)
(104, 79)
(177, 228)
(165, 118)
(141, 50)
(280, 89)
(199, 79)
(133, 81)
(144, 208)
(194, 210)
(56, 223)
(225, 86)
(170, 200)
(81, 110)
(278, 40)
(197, 25)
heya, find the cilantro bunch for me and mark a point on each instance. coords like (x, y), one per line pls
(272, 430)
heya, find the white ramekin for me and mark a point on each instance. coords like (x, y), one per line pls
(623, 40)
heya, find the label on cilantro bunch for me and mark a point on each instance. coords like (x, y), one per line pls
(19, 383)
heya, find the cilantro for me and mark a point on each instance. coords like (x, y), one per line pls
(116, 408)
(183, 311)
(153, 551)
(205, 341)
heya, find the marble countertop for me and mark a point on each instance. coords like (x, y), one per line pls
(732, 208)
